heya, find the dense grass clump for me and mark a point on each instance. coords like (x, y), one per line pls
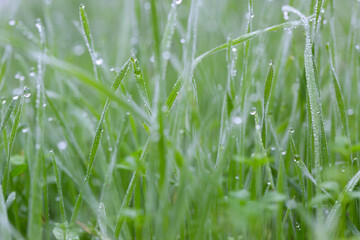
(192, 119)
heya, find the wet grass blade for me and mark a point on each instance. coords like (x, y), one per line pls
(267, 92)
(140, 82)
(97, 137)
(88, 80)
(14, 129)
(335, 210)
(248, 36)
(338, 93)
(59, 188)
(129, 192)
(88, 39)
(8, 113)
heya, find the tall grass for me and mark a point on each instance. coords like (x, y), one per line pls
(179, 119)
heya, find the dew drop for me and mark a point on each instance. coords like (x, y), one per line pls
(12, 22)
(50, 119)
(237, 177)
(350, 112)
(25, 130)
(283, 153)
(78, 50)
(286, 15)
(178, 2)
(99, 61)
(253, 111)
(182, 40)
(291, 130)
(343, 169)
(27, 92)
(357, 47)
(237, 120)
(3, 101)
(62, 145)
(273, 148)
(166, 55)
(257, 127)
(233, 49)
(15, 97)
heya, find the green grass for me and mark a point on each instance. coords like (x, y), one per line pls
(198, 119)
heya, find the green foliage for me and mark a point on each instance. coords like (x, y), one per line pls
(199, 119)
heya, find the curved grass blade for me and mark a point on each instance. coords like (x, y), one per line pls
(88, 39)
(97, 138)
(129, 192)
(88, 80)
(334, 213)
(8, 113)
(174, 93)
(6, 176)
(68, 133)
(249, 36)
(140, 82)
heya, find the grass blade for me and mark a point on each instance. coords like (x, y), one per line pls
(88, 39)
(267, 92)
(59, 188)
(97, 138)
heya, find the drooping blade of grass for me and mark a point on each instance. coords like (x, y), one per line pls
(129, 193)
(267, 92)
(59, 188)
(88, 39)
(249, 36)
(338, 93)
(68, 133)
(6, 176)
(88, 80)
(140, 82)
(4, 221)
(97, 137)
(313, 93)
(333, 215)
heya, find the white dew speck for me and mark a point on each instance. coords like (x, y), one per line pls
(237, 120)
(350, 112)
(99, 61)
(78, 50)
(62, 145)
(12, 22)
(253, 111)
(25, 130)
(27, 92)
(178, 2)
